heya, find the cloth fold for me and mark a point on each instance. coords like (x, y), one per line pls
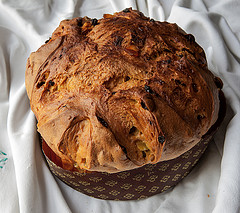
(26, 183)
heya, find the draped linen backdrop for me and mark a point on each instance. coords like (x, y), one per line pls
(26, 184)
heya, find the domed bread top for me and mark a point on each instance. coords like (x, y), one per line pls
(120, 92)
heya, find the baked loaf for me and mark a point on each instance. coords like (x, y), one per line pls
(120, 92)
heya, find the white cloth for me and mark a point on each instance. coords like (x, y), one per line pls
(26, 184)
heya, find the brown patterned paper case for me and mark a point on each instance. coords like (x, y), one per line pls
(138, 183)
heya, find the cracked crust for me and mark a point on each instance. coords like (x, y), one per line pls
(120, 92)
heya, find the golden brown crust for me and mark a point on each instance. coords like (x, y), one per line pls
(109, 94)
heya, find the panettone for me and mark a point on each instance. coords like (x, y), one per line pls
(121, 92)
